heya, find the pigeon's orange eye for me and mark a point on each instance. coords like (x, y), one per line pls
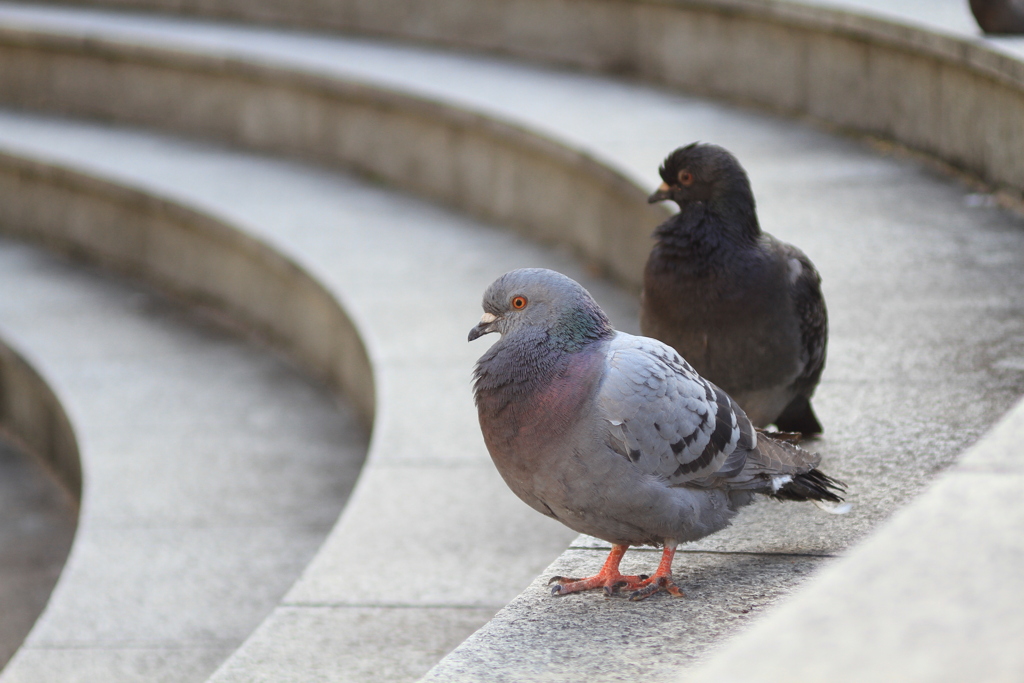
(519, 302)
(685, 178)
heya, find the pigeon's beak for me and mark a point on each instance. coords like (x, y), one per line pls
(660, 195)
(484, 327)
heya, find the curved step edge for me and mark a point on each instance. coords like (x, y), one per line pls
(838, 66)
(189, 255)
(491, 169)
(33, 421)
(32, 416)
(192, 256)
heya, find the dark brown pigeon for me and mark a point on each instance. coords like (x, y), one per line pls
(615, 435)
(744, 308)
(999, 16)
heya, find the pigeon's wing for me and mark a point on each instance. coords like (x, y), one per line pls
(810, 308)
(664, 417)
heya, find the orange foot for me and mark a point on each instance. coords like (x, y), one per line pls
(611, 580)
(608, 578)
(661, 580)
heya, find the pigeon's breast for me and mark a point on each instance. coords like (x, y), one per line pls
(537, 427)
(549, 407)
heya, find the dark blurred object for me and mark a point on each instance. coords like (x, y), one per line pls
(999, 16)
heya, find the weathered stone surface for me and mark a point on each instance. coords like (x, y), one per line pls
(595, 638)
(213, 471)
(351, 643)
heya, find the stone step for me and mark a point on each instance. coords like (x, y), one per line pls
(212, 472)
(910, 294)
(909, 70)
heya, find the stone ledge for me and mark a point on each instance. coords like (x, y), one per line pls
(191, 255)
(479, 164)
(184, 544)
(840, 67)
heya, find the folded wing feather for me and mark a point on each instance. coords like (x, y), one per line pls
(667, 419)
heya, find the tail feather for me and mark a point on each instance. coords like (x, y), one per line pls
(789, 437)
(785, 471)
(811, 485)
(782, 457)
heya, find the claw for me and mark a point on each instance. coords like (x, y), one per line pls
(610, 580)
(662, 583)
(560, 579)
(647, 591)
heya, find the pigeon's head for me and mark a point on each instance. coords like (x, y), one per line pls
(537, 302)
(702, 173)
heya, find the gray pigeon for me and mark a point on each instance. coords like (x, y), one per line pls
(744, 308)
(616, 435)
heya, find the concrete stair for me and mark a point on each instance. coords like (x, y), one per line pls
(926, 334)
(213, 471)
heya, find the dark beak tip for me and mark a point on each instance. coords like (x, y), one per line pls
(476, 333)
(656, 197)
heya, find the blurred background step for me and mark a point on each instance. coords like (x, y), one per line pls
(212, 472)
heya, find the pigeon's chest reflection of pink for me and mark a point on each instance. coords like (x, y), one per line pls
(556, 404)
